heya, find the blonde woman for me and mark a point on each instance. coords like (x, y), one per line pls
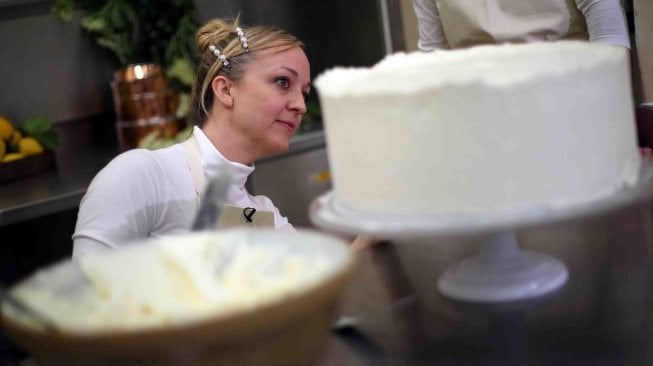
(248, 101)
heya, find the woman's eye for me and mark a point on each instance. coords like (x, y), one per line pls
(283, 82)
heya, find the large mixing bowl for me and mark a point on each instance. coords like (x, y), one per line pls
(287, 330)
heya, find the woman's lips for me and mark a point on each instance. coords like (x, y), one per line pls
(287, 125)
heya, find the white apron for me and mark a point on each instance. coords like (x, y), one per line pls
(469, 23)
(231, 215)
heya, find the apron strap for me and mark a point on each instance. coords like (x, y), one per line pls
(232, 215)
(468, 23)
(194, 159)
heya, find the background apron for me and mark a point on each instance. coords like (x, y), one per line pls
(469, 23)
(233, 216)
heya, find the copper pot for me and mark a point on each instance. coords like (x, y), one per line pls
(145, 105)
(138, 79)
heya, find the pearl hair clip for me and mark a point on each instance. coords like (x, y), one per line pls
(219, 55)
(243, 39)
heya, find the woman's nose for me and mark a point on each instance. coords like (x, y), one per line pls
(297, 102)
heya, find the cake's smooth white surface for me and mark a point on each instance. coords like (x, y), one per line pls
(481, 129)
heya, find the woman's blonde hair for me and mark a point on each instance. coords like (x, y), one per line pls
(222, 34)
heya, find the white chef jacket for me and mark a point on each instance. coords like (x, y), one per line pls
(444, 24)
(143, 193)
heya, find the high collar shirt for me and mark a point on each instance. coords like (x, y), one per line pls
(143, 194)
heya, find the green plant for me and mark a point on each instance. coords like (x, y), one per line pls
(40, 128)
(135, 31)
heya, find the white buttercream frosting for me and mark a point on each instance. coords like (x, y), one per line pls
(481, 129)
(180, 279)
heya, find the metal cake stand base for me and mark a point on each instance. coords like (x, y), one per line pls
(500, 271)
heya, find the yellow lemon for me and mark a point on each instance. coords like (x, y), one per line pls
(29, 146)
(15, 137)
(6, 129)
(12, 156)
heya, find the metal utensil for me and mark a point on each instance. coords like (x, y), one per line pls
(212, 202)
(27, 310)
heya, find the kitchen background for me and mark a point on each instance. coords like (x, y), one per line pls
(52, 68)
(49, 66)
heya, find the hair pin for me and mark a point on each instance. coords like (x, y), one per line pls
(219, 55)
(242, 38)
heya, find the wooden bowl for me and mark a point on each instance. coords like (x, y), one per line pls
(287, 331)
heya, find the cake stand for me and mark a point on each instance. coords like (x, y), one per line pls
(500, 271)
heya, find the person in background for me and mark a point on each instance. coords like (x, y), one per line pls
(452, 24)
(248, 100)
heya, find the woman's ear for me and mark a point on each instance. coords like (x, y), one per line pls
(222, 90)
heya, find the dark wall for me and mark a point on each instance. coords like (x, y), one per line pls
(336, 32)
(53, 68)
(49, 67)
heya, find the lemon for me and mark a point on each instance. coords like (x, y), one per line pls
(29, 146)
(12, 156)
(15, 137)
(6, 129)
(3, 148)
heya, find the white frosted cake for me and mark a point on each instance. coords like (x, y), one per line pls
(481, 129)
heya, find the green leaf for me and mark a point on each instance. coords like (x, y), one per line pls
(36, 124)
(184, 134)
(41, 129)
(94, 24)
(147, 141)
(184, 105)
(49, 139)
(137, 31)
(64, 9)
(182, 70)
(312, 112)
(107, 43)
